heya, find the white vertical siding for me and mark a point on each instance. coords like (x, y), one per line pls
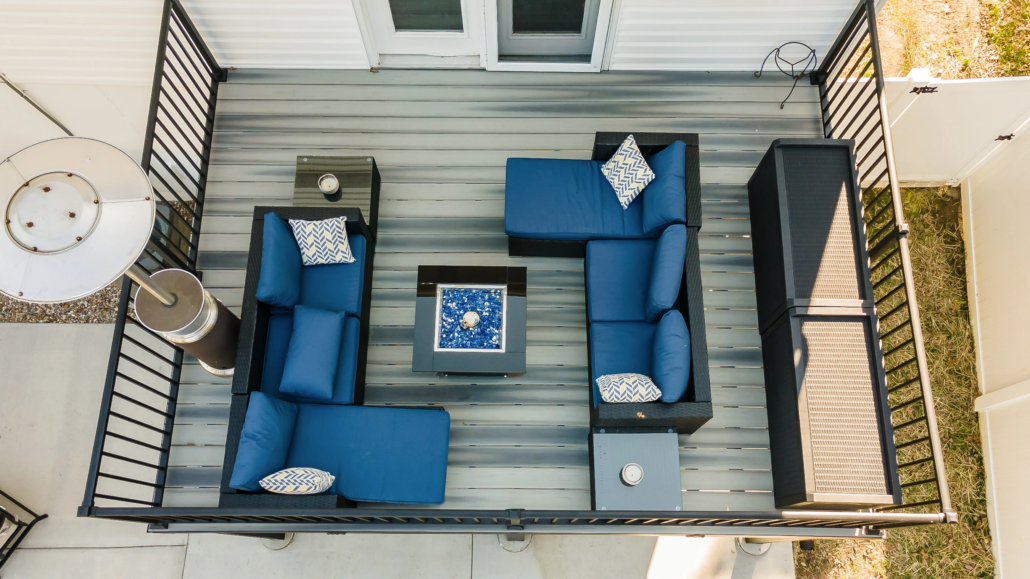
(278, 34)
(719, 34)
(79, 42)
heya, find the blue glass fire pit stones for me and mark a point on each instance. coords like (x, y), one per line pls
(488, 303)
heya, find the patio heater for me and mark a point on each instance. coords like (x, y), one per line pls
(77, 215)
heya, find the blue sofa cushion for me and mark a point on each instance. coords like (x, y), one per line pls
(671, 362)
(666, 271)
(376, 454)
(565, 199)
(620, 348)
(280, 281)
(617, 276)
(280, 330)
(665, 198)
(313, 353)
(336, 287)
(264, 441)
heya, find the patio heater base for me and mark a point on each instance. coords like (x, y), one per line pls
(196, 321)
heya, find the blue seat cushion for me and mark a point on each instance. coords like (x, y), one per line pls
(565, 199)
(336, 287)
(618, 348)
(617, 276)
(313, 353)
(376, 454)
(671, 361)
(665, 198)
(264, 441)
(280, 280)
(280, 330)
(666, 271)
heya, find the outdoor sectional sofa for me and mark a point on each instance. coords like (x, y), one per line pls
(566, 208)
(395, 455)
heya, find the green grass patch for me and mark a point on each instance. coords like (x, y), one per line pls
(1007, 27)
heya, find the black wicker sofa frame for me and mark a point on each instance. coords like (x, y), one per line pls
(250, 356)
(687, 416)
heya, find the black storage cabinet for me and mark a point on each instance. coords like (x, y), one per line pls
(250, 355)
(807, 233)
(830, 435)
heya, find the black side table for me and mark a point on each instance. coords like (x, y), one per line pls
(359, 184)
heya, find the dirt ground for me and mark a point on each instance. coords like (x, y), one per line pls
(955, 38)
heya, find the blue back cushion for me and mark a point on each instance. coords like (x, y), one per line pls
(666, 271)
(313, 354)
(665, 198)
(280, 330)
(279, 283)
(264, 442)
(671, 361)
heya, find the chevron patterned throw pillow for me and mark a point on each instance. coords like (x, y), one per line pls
(620, 388)
(628, 172)
(298, 481)
(322, 242)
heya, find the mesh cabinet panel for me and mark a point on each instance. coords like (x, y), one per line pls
(821, 236)
(844, 425)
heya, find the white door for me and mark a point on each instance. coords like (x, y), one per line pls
(424, 32)
(546, 30)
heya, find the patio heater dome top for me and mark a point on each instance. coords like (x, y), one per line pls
(77, 214)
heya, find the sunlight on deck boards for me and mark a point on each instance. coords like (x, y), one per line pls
(441, 139)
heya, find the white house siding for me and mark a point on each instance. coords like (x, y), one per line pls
(718, 35)
(278, 34)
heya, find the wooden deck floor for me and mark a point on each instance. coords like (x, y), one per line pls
(441, 139)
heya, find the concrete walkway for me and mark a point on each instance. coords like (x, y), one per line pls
(51, 378)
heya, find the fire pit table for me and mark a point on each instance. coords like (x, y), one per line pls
(470, 320)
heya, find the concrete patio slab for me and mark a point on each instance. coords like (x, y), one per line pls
(51, 382)
(342, 556)
(564, 556)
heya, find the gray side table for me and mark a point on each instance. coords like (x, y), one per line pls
(657, 454)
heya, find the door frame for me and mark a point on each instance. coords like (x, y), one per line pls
(490, 31)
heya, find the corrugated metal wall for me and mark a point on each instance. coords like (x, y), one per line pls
(719, 35)
(278, 34)
(79, 42)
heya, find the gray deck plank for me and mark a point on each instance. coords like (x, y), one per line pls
(441, 139)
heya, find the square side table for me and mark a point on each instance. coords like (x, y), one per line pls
(657, 454)
(359, 184)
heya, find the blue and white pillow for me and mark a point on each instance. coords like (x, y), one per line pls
(322, 242)
(298, 481)
(624, 388)
(628, 172)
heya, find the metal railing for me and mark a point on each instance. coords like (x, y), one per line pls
(134, 433)
(854, 106)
